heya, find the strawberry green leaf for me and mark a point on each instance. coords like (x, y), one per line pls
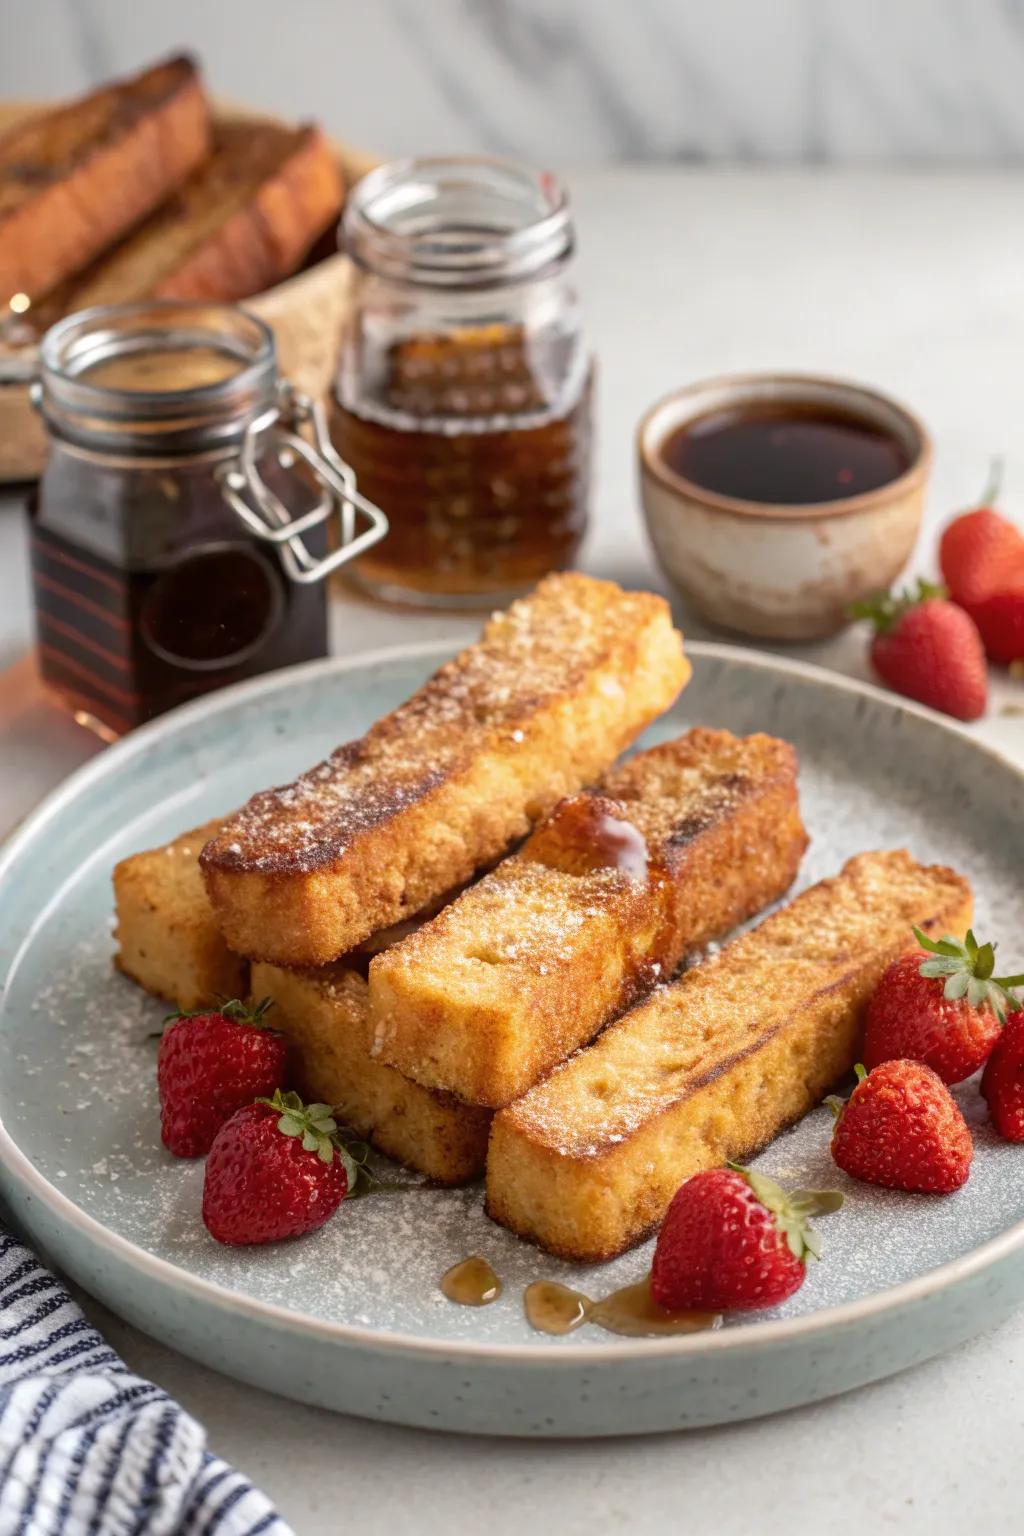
(253, 1014)
(966, 970)
(792, 1211)
(817, 1202)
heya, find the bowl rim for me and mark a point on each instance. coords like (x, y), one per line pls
(654, 466)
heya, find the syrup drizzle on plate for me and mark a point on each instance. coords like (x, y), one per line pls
(554, 1308)
(471, 1283)
(630, 1311)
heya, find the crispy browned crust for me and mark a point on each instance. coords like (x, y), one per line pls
(74, 180)
(555, 689)
(712, 1067)
(326, 1016)
(528, 964)
(243, 222)
(167, 938)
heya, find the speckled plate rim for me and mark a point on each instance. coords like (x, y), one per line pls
(767, 1333)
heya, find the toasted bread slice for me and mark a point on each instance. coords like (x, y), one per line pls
(682, 843)
(243, 222)
(712, 1067)
(168, 940)
(76, 179)
(326, 1015)
(549, 696)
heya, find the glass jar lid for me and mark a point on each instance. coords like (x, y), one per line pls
(157, 377)
(458, 222)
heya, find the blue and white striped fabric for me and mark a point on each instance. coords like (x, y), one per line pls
(89, 1449)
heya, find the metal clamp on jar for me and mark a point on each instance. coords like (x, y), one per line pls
(185, 520)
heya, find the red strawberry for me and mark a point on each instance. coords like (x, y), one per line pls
(982, 559)
(979, 547)
(734, 1241)
(976, 551)
(210, 1064)
(901, 1128)
(276, 1169)
(944, 1008)
(1000, 619)
(928, 649)
(1002, 1081)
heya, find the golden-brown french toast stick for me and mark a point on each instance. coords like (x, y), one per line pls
(76, 178)
(680, 844)
(167, 937)
(243, 222)
(543, 703)
(713, 1066)
(326, 1016)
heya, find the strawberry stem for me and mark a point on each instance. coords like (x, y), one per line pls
(792, 1212)
(994, 484)
(885, 609)
(253, 1014)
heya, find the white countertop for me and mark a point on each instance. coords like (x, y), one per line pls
(912, 282)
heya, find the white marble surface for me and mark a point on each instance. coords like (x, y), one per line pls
(912, 282)
(577, 80)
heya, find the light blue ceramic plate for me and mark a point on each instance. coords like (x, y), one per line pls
(351, 1317)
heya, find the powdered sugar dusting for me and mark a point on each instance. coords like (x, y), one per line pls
(536, 652)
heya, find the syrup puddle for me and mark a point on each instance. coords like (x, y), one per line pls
(471, 1283)
(631, 1312)
(557, 1309)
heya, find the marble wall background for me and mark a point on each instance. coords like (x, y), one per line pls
(573, 81)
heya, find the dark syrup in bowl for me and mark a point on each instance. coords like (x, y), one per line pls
(785, 453)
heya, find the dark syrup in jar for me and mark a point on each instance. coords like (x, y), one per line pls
(785, 453)
(146, 595)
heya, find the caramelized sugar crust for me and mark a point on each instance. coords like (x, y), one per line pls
(713, 1066)
(682, 843)
(555, 689)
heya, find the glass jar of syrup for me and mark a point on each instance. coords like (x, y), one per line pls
(463, 392)
(182, 524)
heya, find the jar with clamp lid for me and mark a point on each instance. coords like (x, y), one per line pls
(190, 507)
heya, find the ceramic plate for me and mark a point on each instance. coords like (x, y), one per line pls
(351, 1317)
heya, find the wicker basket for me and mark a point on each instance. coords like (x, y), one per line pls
(305, 312)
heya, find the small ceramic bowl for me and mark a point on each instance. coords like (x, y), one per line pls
(777, 571)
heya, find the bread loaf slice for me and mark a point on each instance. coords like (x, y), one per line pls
(242, 223)
(74, 180)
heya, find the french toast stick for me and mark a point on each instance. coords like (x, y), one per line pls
(167, 938)
(326, 1015)
(76, 178)
(678, 846)
(241, 223)
(542, 704)
(713, 1066)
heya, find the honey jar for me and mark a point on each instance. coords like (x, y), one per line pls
(463, 390)
(190, 506)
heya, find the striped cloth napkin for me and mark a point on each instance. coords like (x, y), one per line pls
(87, 1448)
